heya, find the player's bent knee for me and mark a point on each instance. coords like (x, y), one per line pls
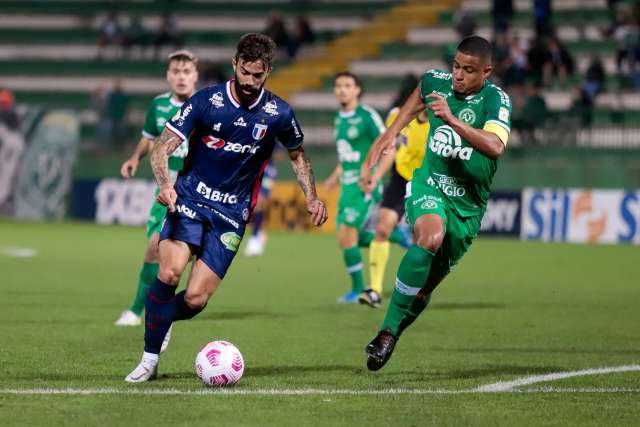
(197, 300)
(430, 241)
(170, 275)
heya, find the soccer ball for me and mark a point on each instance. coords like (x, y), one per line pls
(219, 364)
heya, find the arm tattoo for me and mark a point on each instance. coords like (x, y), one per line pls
(160, 151)
(304, 173)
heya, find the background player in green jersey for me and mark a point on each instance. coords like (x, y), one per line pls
(182, 75)
(448, 194)
(356, 127)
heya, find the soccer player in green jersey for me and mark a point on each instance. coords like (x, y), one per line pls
(182, 75)
(448, 194)
(356, 127)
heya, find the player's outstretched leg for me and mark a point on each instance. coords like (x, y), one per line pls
(160, 310)
(160, 307)
(412, 275)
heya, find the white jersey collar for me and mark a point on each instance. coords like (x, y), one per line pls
(235, 103)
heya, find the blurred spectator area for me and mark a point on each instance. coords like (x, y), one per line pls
(583, 93)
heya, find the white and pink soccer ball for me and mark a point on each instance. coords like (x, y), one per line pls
(219, 363)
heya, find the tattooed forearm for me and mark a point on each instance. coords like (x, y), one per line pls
(304, 173)
(160, 151)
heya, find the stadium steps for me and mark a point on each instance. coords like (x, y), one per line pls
(364, 42)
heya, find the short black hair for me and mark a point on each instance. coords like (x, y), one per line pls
(355, 78)
(254, 47)
(476, 46)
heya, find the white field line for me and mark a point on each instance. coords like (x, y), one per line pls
(499, 387)
(300, 392)
(519, 382)
(14, 251)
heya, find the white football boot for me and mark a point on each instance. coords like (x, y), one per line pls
(146, 370)
(255, 245)
(129, 318)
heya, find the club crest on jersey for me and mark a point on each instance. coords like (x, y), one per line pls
(259, 131)
(217, 100)
(467, 115)
(213, 142)
(271, 108)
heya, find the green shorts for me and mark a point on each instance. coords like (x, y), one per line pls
(156, 217)
(354, 207)
(424, 199)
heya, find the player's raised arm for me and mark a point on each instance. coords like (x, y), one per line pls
(302, 168)
(409, 111)
(487, 142)
(160, 151)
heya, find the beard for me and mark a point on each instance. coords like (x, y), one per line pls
(244, 98)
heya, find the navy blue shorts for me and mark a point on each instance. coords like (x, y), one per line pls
(213, 236)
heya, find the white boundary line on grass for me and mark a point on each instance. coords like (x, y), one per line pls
(519, 382)
(499, 387)
(16, 252)
(302, 392)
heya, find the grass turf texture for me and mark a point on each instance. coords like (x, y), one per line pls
(510, 309)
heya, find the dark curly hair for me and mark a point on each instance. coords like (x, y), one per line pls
(255, 46)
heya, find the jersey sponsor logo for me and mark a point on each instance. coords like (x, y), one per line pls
(259, 131)
(186, 211)
(504, 98)
(240, 122)
(217, 100)
(231, 241)
(217, 126)
(218, 213)
(213, 142)
(467, 115)
(216, 195)
(427, 201)
(446, 142)
(503, 114)
(271, 108)
(233, 147)
(350, 177)
(442, 75)
(185, 113)
(450, 186)
(346, 153)
(296, 130)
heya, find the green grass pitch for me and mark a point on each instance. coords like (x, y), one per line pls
(508, 311)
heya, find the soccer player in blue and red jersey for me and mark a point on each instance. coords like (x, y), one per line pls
(232, 129)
